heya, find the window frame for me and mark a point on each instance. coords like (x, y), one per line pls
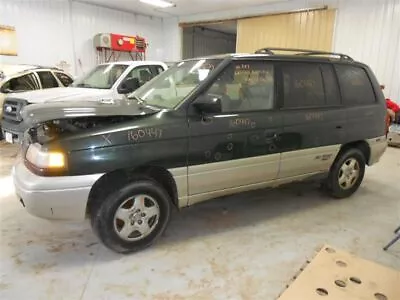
(341, 89)
(244, 60)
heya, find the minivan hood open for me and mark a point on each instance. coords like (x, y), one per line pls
(39, 113)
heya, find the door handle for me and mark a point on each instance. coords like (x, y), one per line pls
(272, 135)
(206, 119)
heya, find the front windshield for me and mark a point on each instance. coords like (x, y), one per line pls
(101, 77)
(172, 86)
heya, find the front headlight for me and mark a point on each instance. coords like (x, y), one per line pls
(43, 159)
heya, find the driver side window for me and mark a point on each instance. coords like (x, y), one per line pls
(143, 73)
(245, 86)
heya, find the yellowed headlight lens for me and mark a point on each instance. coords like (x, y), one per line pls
(56, 160)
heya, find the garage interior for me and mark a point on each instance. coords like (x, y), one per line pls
(209, 39)
(252, 245)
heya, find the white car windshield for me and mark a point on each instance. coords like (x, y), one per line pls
(172, 86)
(101, 77)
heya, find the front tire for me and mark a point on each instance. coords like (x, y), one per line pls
(346, 174)
(133, 217)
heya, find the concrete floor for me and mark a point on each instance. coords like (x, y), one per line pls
(241, 247)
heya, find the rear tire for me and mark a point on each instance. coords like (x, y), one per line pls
(346, 174)
(133, 217)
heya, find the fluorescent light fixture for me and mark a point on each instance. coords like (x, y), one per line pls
(158, 3)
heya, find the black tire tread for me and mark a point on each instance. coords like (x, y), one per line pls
(332, 186)
(102, 216)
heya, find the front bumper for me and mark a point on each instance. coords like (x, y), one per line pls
(16, 129)
(61, 197)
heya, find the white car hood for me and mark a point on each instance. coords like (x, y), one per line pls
(63, 94)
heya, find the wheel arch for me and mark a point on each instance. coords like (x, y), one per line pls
(362, 145)
(113, 180)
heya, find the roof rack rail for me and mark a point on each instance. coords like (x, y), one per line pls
(303, 52)
(45, 67)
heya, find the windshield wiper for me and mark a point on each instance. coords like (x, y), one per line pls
(84, 85)
(138, 99)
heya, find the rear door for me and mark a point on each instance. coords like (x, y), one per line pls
(238, 147)
(314, 118)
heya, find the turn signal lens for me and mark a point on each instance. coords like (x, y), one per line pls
(44, 159)
(56, 160)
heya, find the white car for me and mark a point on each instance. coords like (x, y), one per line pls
(103, 82)
(393, 136)
(19, 78)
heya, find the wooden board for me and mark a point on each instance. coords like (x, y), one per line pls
(337, 275)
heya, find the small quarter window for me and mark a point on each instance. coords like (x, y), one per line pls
(355, 85)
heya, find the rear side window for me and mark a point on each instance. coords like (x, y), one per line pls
(64, 78)
(47, 79)
(302, 85)
(355, 85)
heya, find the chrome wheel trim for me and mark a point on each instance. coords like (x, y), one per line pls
(349, 173)
(136, 217)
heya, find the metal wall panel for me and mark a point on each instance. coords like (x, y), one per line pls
(42, 28)
(306, 30)
(87, 20)
(50, 31)
(369, 31)
(198, 42)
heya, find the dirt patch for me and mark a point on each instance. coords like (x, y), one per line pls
(39, 268)
(4, 286)
(126, 290)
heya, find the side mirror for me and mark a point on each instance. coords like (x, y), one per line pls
(129, 85)
(208, 104)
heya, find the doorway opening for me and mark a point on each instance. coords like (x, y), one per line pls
(209, 39)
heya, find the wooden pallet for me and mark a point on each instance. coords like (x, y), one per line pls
(337, 275)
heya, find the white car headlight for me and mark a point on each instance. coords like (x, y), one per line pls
(43, 159)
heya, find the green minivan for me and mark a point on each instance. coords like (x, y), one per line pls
(205, 128)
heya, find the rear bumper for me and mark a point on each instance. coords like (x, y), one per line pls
(378, 147)
(62, 197)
